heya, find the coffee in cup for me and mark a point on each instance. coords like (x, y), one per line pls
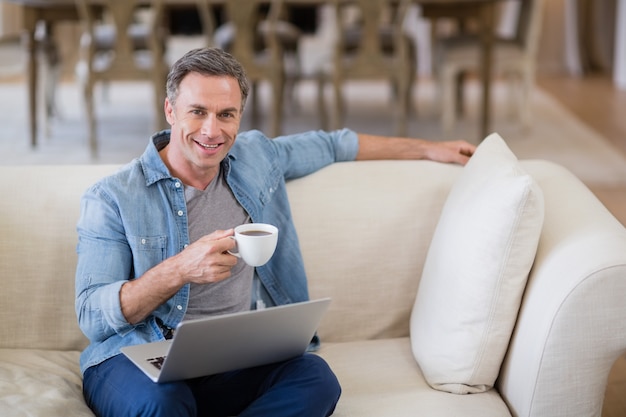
(256, 243)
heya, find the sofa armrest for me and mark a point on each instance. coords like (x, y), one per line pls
(572, 323)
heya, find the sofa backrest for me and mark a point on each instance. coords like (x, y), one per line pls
(38, 215)
(364, 228)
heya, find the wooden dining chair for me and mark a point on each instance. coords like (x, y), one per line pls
(115, 47)
(256, 34)
(373, 45)
(512, 57)
(50, 72)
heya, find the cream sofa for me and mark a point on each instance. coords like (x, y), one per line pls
(365, 229)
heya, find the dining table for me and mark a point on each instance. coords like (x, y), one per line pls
(50, 12)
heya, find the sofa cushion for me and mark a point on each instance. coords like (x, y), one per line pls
(41, 383)
(379, 378)
(476, 271)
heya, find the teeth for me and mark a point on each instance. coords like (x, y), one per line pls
(208, 146)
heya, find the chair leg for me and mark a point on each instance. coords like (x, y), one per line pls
(460, 101)
(339, 104)
(159, 81)
(402, 100)
(254, 105)
(321, 102)
(527, 83)
(51, 90)
(51, 68)
(291, 83)
(448, 96)
(50, 81)
(278, 89)
(91, 120)
(513, 101)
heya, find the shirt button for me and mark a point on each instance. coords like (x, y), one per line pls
(180, 212)
(177, 184)
(179, 307)
(143, 241)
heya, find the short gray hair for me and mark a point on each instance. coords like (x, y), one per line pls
(207, 61)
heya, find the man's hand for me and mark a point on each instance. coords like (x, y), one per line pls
(202, 262)
(207, 260)
(457, 152)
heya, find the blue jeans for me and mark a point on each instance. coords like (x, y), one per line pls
(303, 386)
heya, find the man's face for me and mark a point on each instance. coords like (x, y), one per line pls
(205, 120)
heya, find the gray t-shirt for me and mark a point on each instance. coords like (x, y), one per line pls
(209, 210)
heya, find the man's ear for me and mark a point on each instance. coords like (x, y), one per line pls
(169, 111)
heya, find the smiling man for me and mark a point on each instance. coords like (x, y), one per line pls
(153, 242)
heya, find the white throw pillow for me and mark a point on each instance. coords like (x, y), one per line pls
(476, 271)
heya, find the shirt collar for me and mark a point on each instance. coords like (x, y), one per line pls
(154, 169)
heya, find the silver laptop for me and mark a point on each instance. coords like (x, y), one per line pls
(231, 341)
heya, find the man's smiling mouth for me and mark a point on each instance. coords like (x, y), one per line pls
(208, 145)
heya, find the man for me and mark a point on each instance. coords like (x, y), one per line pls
(153, 242)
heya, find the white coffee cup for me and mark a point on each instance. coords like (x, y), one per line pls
(256, 243)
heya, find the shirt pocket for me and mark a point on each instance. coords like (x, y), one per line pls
(148, 251)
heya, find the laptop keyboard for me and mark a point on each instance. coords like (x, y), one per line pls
(157, 362)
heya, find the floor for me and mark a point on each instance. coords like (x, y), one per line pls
(600, 105)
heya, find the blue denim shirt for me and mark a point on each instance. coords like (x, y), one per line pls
(136, 218)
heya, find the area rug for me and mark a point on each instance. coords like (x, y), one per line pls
(126, 118)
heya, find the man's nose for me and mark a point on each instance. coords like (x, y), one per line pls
(210, 126)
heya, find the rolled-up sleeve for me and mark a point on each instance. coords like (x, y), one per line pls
(103, 264)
